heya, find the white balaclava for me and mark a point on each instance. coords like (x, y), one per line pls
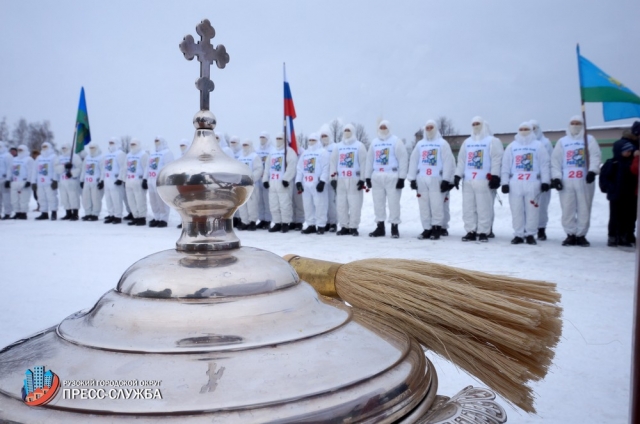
(481, 130)
(431, 131)
(383, 133)
(349, 134)
(535, 127)
(46, 150)
(94, 150)
(234, 143)
(221, 140)
(264, 139)
(184, 145)
(325, 138)
(280, 140)
(134, 146)
(113, 144)
(160, 143)
(576, 131)
(65, 149)
(313, 141)
(23, 151)
(3, 147)
(247, 147)
(525, 133)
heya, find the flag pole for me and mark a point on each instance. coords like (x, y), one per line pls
(284, 116)
(73, 143)
(584, 113)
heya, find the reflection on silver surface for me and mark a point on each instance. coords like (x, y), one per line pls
(472, 405)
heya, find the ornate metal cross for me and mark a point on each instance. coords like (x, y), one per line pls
(206, 55)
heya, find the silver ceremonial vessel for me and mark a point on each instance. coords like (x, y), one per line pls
(215, 332)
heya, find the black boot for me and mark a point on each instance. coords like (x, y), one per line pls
(116, 220)
(161, 224)
(128, 217)
(435, 232)
(285, 228)
(85, 218)
(276, 228)
(23, 215)
(236, 222)
(570, 240)
(141, 222)
(54, 215)
(379, 231)
(426, 235)
(444, 232)
(67, 215)
(333, 228)
(242, 226)
(6, 216)
(93, 218)
(311, 229)
(542, 235)
(42, 217)
(530, 240)
(251, 226)
(482, 237)
(582, 241)
(74, 215)
(394, 231)
(153, 223)
(296, 227)
(179, 226)
(343, 231)
(320, 230)
(132, 222)
(354, 232)
(471, 236)
(517, 240)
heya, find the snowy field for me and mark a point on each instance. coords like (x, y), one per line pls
(53, 269)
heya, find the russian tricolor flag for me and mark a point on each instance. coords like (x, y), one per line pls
(289, 114)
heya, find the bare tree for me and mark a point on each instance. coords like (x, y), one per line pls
(38, 133)
(335, 129)
(361, 134)
(445, 126)
(124, 143)
(302, 140)
(4, 130)
(20, 133)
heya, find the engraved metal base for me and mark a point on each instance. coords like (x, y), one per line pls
(472, 405)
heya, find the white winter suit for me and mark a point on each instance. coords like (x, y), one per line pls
(313, 168)
(545, 198)
(430, 163)
(479, 158)
(279, 169)
(387, 161)
(329, 146)
(348, 161)
(157, 160)
(249, 212)
(5, 192)
(44, 175)
(114, 168)
(69, 186)
(91, 175)
(568, 164)
(21, 170)
(137, 161)
(264, 213)
(525, 166)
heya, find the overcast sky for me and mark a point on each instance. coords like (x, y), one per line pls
(405, 61)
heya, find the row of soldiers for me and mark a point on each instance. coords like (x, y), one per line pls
(323, 185)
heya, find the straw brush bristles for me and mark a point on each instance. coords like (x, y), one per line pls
(500, 329)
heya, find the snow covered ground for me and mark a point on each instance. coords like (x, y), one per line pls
(52, 269)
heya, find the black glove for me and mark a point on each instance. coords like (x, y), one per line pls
(54, 185)
(544, 187)
(368, 182)
(100, 185)
(456, 182)
(320, 187)
(413, 184)
(81, 185)
(360, 185)
(298, 186)
(145, 185)
(285, 183)
(68, 165)
(334, 184)
(494, 182)
(556, 183)
(118, 182)
(591, 177)
(68, 174)
(265, 184)
(451, 187)
(400, 184)
(445, 186)
(27, 184)
(505, 189)
(7, 184)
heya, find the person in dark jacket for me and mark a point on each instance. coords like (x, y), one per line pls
(622, 190)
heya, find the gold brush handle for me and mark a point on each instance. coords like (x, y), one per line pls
(320, 274)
